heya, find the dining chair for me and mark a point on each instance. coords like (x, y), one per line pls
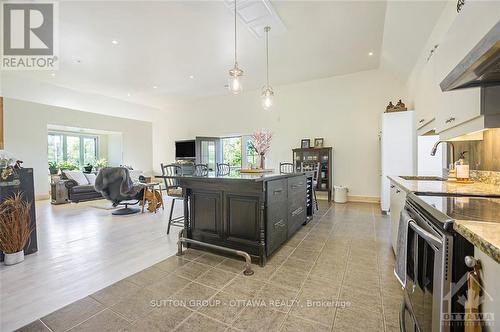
(174, 190)
(286, 168)
(316, 168)
(223, 169)
(200, 170)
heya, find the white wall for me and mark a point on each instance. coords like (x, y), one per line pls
(344, 110)
(26, 135)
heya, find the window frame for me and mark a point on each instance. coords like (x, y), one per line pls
(66, 134)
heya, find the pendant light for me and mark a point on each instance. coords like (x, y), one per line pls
(267, 91)
(235, 74)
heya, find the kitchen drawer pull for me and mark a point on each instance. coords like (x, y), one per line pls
(280, 224)
(392, 186)
(421, 120)
(277, 191)
(398, 191)
(449, 120)
(297, 211)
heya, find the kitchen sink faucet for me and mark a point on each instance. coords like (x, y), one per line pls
(452, 164)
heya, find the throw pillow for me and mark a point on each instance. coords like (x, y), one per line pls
(78, 176)
(91, 178)
(134, 175)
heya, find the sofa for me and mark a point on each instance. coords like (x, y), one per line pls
(80, 185)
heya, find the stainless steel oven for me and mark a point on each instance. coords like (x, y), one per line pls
(428, 278)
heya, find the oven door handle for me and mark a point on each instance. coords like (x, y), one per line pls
(426, 235)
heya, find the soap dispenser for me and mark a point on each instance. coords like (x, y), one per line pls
(462, 168)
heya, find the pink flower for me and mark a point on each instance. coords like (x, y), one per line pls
(261, 141)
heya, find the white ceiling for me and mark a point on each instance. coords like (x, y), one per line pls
(162, 43)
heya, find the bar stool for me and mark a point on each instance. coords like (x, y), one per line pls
(315, 167)
(200, 170)
(174, 191)
(223, 169)
(286, 168)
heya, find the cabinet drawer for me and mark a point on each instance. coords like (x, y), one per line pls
(276, 191)
(277, 226)
(297, 187)
(296, 218)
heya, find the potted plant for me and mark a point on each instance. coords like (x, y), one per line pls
(67, 165)
(88, 168)
(261, 142)
(15, 228)
(53, 168)
(100, 164)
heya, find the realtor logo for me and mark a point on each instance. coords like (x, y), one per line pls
(29, 36)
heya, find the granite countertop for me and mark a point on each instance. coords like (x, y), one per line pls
(447, 187)
(484, 235)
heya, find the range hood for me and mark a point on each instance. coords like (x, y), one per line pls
(480, 68)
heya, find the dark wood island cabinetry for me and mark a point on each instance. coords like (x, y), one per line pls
(252, 213)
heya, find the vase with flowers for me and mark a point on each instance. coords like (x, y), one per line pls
(15, 228)
(261, 142)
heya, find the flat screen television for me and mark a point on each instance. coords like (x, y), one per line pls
(185, 150)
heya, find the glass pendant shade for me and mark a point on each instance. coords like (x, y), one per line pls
(235, 80)
(267, 98)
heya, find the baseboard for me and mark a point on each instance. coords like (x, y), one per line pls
(42, 197)
(363, 199)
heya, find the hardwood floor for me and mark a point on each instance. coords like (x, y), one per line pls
(81, 249)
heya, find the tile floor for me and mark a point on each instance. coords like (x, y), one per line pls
(335, 274)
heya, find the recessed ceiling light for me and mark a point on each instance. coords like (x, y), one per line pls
(191, 76)
(370, 53)
(155, 87)
(128, 94)
(114, 42)
(53, 74)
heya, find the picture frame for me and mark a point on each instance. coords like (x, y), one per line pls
(319, 142)
(305, 143)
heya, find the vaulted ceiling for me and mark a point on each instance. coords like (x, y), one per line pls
(183, 49)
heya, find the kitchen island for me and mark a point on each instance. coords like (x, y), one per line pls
(252, 213)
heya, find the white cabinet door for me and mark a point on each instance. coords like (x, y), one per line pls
(469, 27)
(427, 96)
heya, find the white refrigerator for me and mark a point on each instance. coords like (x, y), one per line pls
(398, 142)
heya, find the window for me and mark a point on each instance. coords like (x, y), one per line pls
(75, 148)
(231, 151)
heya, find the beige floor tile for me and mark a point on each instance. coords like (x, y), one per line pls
(136, 305)
(200, 323)
(216, 278)
(171, 264)
(146, 277)
(210, 259)
(259, 319)
(357, 319)
(161, 319)
(167, 286)
(105, 321)
(315, 306)
(277, 297)
(298, 264)
(244, 286)
(289, 278)
(277, 260)
(192, 270)
(285, 250)
(362, 298)
(305, 254)
(192, 254)
(72, 314)
(115, 293)
(193, 294)
(367, 281)
(232, 265)
(295, 324)
(224, 307)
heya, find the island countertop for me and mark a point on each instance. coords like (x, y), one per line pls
(235, 177)
(483, 235)
(449, 187)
